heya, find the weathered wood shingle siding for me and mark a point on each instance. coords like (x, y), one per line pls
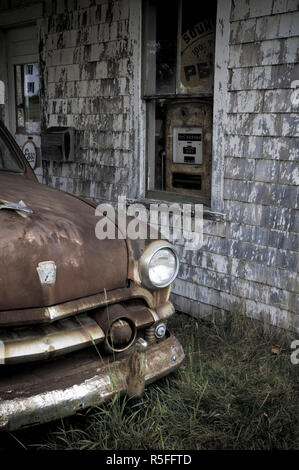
(251, 260)
(87, 53)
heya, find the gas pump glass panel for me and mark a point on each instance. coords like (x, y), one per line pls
(182, 147)
(27, 98)
(197, 45)
(187, 145)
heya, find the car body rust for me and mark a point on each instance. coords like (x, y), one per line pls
(77, 325)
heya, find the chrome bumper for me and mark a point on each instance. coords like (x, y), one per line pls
(106, 380)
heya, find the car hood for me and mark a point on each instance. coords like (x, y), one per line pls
(61, 229)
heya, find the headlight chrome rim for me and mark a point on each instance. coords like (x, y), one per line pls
(146, 258)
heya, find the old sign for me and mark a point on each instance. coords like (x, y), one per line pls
(29, 150)
(197, 57)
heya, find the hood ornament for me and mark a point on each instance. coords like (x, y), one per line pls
(47, 273)
(19, 207)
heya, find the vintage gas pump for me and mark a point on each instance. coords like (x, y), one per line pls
(189, 147)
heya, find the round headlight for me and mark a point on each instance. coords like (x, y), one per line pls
(159, 265)
(162, 267)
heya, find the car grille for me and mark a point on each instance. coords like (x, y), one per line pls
(25, 344)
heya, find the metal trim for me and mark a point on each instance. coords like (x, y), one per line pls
(44, 341)
(161, 359)
(71, 334)
(73, 307)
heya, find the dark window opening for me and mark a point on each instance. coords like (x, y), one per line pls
(178, 68)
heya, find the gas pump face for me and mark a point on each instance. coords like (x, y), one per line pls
(188, 148)
(187, 145)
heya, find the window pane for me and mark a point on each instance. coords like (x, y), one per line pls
(161, 26)
(178, 82)
(27, 98)
(180, 146)
(31, 98)
(197, 47)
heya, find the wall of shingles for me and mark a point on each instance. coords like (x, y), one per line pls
(87, 55)
(251, 260)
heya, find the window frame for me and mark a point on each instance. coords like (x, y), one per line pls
(151, 99)
(178, 94)
(13, 60)
(22, 129)
(221, 78)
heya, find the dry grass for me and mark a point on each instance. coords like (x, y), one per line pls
(232, 392)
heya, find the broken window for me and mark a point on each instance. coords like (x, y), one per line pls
(178, 77)
(27, 98)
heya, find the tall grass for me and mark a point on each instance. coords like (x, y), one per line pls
(237, 389)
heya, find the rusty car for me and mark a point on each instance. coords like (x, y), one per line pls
(81, 319)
